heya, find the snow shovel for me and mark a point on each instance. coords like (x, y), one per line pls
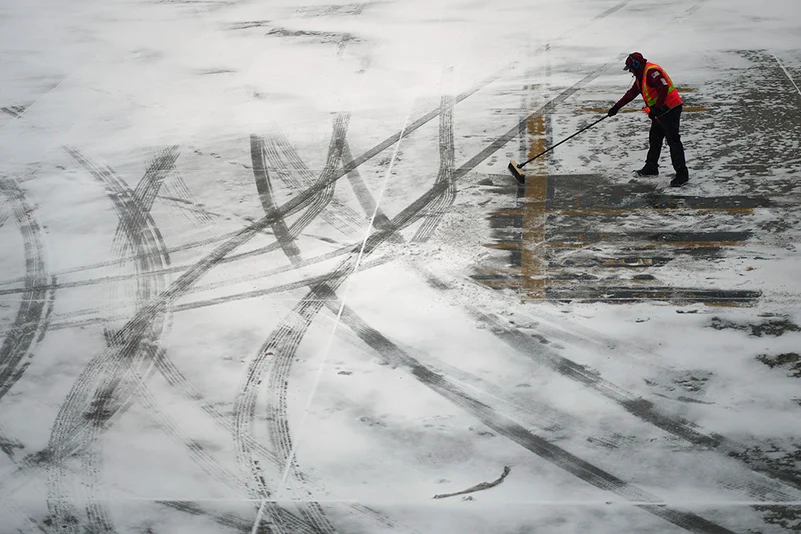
(516, 169)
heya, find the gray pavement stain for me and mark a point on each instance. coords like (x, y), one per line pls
(575, 205)
(787, 361)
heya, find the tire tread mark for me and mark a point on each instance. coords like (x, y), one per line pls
(639, 407)
(8, 444)
(133, 209)
(326, 196)
(281, 440)
(264, 188)
(278, 351)
(136, 231)
(233, 240)
(342, 217)
(143, 318)
(445, 174)
(29, 320)
(191, 275)
(231, 521)
(591, 474)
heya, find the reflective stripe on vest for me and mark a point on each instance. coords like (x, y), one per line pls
(649, 95)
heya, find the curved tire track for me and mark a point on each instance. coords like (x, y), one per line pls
(282, 234)
(136, 231)
(30, 318)
(326, 196)
(112, 360)
(341, 217)
(446, 165)
(278, 354)
(275, 357)
(120, 388)
(245, 407)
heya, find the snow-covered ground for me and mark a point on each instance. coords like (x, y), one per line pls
(263, 268)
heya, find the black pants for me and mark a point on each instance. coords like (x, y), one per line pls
(666, 127)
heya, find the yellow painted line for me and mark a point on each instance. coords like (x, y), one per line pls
(730, 304)
(504, 271)
(533, 265)
(688, 109)
(509, 245)
(512, 212)
(499, 284)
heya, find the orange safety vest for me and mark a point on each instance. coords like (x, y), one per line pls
(672, 99)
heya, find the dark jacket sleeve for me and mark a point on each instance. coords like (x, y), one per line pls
(630, 95)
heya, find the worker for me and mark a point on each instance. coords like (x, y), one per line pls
(663, 106)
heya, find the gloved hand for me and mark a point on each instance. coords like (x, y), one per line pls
(655, 113)
(612, 111)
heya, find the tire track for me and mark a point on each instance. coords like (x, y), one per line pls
(560, 457)
(311, 512)
(178, 381)
(144, 195)
(3, 212)
(342, 217)
(351, 165)
(299, 202)
(282, 235)
(75, 320)
(30, 318)
(131, 219)
(636, 405)
(278, 353)
(245, 405)
(112, 360)
(360, 189)
(446, 165)
(482, 409)
(301, 316)
(136, 231)
(104, 409)
(8, 444)
(326, 196)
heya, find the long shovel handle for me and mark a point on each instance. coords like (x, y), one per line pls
(562, 141)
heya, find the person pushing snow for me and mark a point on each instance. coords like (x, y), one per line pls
(663, 105)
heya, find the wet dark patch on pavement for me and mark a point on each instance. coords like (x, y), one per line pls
(683, 386)
(789, 361)
(774, 327)
(577, 248)
(784, 460)
(627, 295)
(641, 261)
(786, 517)
(697, 238)
(760, 134)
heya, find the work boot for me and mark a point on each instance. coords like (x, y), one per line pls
(648, 171)
(681, 178)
